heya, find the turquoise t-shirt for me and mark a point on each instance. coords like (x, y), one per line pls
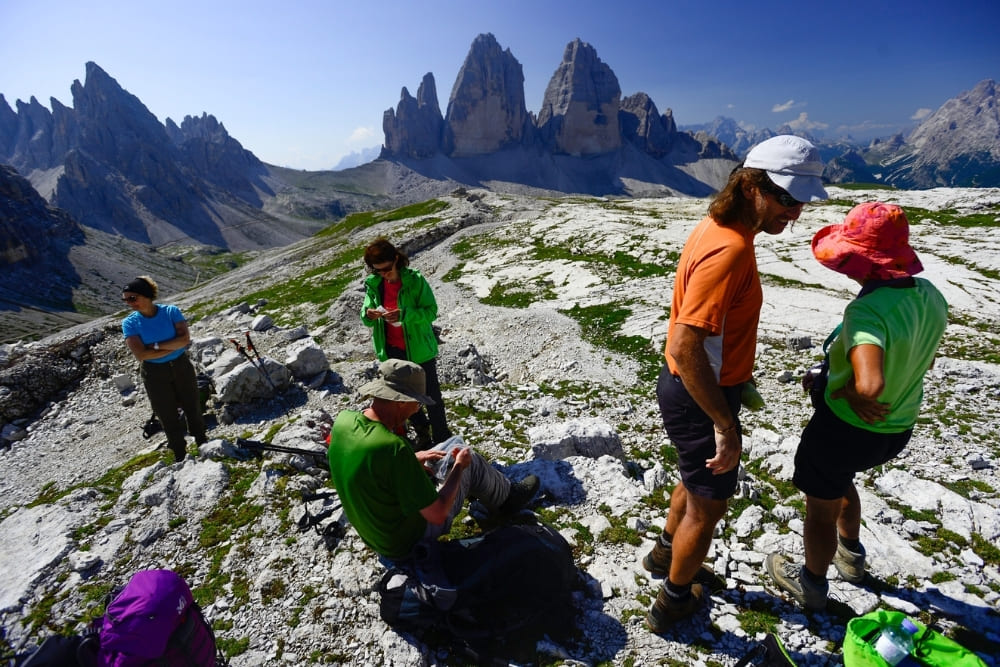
(907, 323)
(155, 329)
(381, 484)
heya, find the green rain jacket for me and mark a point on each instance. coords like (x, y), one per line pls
(418, 310)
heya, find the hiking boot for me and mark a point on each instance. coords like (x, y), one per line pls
(850, 564)
(666, 611)
(521, 493)
(791, 579)
(657, 561)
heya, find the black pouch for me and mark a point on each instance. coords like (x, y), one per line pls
(818, 374)
(768, 653)
(151, 427)
(815, 379)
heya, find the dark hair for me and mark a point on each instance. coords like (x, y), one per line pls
(730, 206)
(144, 286)
(380, 251)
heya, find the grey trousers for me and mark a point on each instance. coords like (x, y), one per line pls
(481, 480)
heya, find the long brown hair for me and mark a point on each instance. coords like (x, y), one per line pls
(731, 206)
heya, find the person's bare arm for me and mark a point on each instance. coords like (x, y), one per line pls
(687, 347)
(863, 389)
(181, 339)
(143, 352)
(437, 512)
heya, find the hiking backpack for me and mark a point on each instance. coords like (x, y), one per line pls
(154, 620)
(930, 648)
(493, 596)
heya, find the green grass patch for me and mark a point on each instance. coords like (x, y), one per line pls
(365, 219)
(600, 326)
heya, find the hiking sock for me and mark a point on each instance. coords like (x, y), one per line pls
(665, 539)
(816, 580)
(676, 593)
(850, 545)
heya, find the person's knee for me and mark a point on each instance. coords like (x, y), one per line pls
(823, 511)
(705, 510)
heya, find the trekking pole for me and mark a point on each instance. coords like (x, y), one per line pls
(260, 361)
(258, 365)
(257, 447)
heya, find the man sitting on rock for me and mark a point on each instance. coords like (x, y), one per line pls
(386, 488)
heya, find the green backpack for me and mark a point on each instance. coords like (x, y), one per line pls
(930, 648)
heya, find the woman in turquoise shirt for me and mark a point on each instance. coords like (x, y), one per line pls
(158, 336)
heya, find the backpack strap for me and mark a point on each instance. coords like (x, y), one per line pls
(829, 339)
(182, 636)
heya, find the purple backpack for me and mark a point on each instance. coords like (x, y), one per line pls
(154, 620)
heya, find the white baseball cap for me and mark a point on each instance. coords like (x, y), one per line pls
(792, 163)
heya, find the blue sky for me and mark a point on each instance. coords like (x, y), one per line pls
(303, 83)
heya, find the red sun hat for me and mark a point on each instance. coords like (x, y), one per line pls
(873, 243)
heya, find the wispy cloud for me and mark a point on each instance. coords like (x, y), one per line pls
(920, 114)
(778, 108)
(803, 123)
(361, 135)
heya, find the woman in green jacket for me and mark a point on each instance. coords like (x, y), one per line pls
(399, 308)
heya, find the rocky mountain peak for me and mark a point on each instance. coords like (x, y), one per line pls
(579, 113)
(643, 125)
(959, 144)
(414, 128)
(486, 110)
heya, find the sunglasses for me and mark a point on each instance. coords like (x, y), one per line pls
(130, 299)
(782, 197)
(387, 268)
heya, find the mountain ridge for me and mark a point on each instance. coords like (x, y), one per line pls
(191, 195)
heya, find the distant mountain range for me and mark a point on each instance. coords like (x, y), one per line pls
(102, 191)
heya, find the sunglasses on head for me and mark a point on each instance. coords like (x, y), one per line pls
(386, 268)
(130, 299)
(782, 197)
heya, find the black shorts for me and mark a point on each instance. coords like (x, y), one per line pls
(831, 451)
(692, 432)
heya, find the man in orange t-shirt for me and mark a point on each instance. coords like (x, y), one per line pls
(709, 354)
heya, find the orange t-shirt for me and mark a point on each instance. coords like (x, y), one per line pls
(717, 288)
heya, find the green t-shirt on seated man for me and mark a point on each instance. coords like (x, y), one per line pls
(381, 484)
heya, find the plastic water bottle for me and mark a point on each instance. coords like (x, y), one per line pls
(896, 641)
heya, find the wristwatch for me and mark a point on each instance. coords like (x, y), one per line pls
(156, 346)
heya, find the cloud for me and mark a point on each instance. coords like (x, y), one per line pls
(803, 123)
(361, 135)
(778, 108)
(920, 114)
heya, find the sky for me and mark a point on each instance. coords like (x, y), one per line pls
(303, 83)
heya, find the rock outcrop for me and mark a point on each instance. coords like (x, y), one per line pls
(486, 110)
(579, 114)
(642, 125)
(582, 115)
(35, 242)
(958, 145)
(414, 128)
(110, 164)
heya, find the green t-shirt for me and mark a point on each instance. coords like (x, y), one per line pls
(907, 323)
(381, 484)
